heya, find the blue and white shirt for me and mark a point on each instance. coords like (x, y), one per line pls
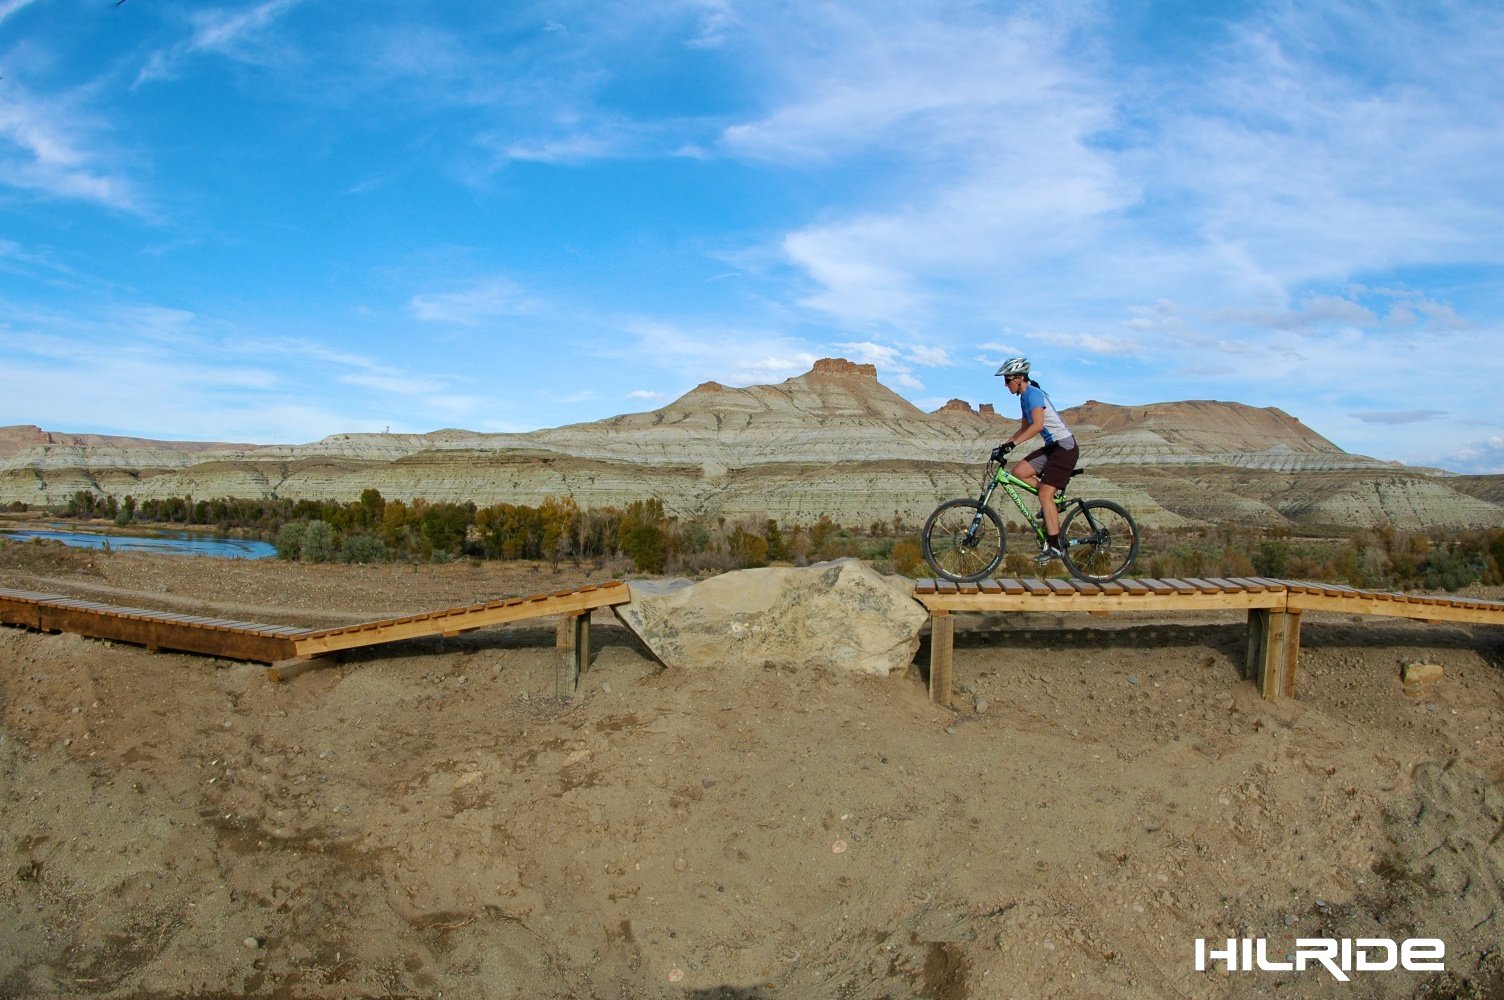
(1055, 431)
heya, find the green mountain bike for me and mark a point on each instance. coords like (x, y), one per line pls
(964, 540)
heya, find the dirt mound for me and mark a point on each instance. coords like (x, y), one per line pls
(426, 818)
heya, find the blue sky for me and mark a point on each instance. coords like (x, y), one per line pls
(273, 221)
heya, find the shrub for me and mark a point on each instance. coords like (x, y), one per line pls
(363, 548)
(318, 542)
(907, 559)
(289, 541)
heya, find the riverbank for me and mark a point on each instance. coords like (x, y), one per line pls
(198, 539)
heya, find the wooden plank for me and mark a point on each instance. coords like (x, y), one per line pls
(925, 585)
(1062, 587)
(1132, 585)
(1205, 586)
(1179, 586)
(1111, 588)
(1011, 585)
(942, 648)
(1037, 588)
(1158, 587)
(990, 586)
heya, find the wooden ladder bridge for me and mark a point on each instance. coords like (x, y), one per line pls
(1272, 647)
(1274, 607)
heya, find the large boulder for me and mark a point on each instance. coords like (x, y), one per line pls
(843, 615)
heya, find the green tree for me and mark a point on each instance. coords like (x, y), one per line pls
(646, 546)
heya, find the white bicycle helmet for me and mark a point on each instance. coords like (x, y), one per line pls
(1014, 366)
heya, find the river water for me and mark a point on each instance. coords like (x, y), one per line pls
(185, 543)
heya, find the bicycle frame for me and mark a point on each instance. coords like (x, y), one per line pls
(1011, 484)
(1098, 537)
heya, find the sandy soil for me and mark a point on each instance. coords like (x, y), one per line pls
(425, 819)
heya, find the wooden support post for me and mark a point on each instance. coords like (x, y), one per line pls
(1253, 643)
(1273, 651)
(942, 648)
(574, 652)
(1292, 654)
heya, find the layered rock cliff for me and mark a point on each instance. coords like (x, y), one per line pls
(833, 441)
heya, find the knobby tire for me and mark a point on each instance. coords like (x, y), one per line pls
(1104, 552)
(944, 537)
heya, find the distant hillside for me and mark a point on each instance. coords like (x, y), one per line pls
(834, 441)
(18, 437)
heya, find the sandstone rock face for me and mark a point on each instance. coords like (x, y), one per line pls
(833, 442)
(840, 615)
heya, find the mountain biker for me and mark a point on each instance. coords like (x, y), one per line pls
(1049, 468)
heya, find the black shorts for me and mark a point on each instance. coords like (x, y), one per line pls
(1054, 463)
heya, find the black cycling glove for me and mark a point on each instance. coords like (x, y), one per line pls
(1001, 451)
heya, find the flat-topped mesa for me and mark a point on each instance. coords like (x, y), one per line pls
(840, 366)
(956, 407)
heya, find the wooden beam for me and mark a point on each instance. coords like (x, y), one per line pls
(1042, 598)
(573, 643)
(461, 619)
(1398, 606)
(942, 651)
(286, 670)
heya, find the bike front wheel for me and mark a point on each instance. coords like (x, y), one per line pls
(1100, 541)
(963, 541)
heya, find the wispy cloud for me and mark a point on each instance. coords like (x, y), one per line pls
(1485, 458)
(1277, 203)
(220, 32)
(490, 299)
(9, 7)
(49, 148)
(1400, 416)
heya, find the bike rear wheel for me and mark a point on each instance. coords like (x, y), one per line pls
(1100, 541)
(963, 541)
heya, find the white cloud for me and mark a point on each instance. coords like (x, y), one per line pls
(48, 148)
(929, 356)
(487, 300)
(1092, 343)
(9, 7)
(1486, 458)
(728, 354)
(227, 33)
(771, 369)
(1400, 416)
(867, 352)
